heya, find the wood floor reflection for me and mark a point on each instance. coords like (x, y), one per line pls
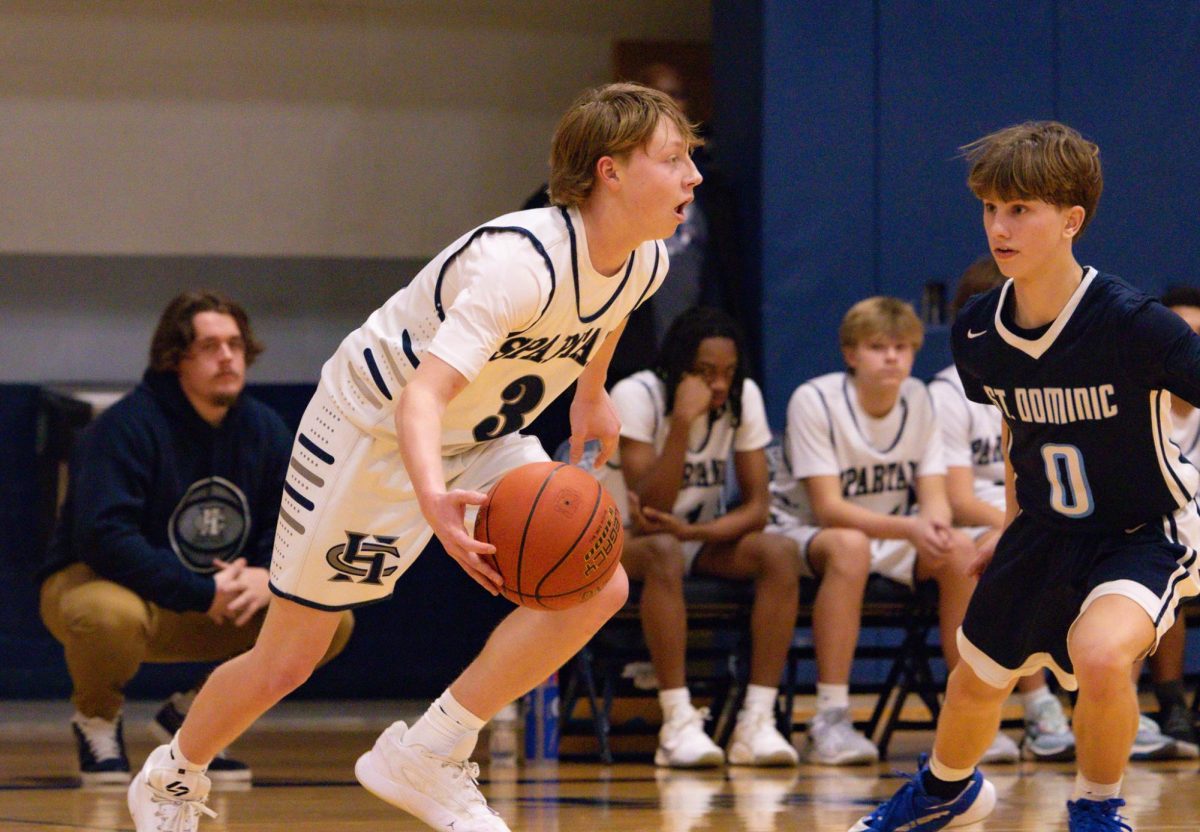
(304, 783)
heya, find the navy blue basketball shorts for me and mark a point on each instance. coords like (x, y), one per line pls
(1042, 579)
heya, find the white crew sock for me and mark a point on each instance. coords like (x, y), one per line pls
(178, 759)
(760, 699)
(670, 700)
(447, 729)
(830, 697)
(1087, 790)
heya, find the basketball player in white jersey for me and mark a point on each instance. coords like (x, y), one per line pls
(415, 417)
(975, 486)
(682, 421)
(862, 451)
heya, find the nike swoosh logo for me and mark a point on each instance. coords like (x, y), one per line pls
(1134, 529)
(973, 334)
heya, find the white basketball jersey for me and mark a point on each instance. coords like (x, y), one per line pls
(641, 403)
(877, 461)
(514, 305)
(1187, 435)
(970, 435)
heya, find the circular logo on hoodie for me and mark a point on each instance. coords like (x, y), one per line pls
(211, 521)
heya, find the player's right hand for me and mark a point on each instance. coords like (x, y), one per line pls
(693, 398)
(445, 513)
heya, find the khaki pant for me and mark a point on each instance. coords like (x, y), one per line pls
(108, 631)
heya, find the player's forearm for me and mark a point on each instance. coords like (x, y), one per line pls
(844, 514)
(931, 499)
(419, 434)
(733, 525)
(659, 486)
(595, 375)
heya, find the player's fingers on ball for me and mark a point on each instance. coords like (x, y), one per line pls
(576, 446)
(608, 446)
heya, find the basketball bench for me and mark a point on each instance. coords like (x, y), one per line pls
(719, 622)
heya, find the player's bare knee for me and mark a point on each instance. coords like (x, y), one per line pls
(666, 563)
(284, 671)
(613, 596)
(967, 687)
(775, 556)
(1100, 661)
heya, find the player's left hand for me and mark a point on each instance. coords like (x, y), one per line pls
(664, 522)
(593, 416)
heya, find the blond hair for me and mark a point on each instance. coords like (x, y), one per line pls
(889, 317)
(607, 121)
(1042, 160)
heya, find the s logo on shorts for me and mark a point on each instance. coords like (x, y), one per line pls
(371, 551)
(211, 521)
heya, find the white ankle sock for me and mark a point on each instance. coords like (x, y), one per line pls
(1087, 790)
(832, 696)
(183, 762)
(760, 698)
(671, 699)
(447, 729)
(946, 774)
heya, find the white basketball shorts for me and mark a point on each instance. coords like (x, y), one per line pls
(349, 525)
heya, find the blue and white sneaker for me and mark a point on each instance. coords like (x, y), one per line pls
(1096, 816)
(912, 809)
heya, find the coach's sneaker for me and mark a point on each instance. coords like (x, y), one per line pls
(436, 790)
(834, 741)
(1176, 723)
(1002, 750)
(168, 721)
(1151, 743)
(756, 741)
(101, 747)
(912, 809)
(1048, 735)
(165, 797)
(1096, 816)
(682, 742)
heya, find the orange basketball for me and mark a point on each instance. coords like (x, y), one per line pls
(557, 534)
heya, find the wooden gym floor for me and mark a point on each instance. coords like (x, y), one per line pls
(303, 762)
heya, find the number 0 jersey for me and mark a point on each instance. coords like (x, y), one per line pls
(1085, 399)
(514, 305)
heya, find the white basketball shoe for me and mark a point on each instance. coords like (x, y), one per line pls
(436, 790)
(683, 743)
(756, 741)
(165, 797)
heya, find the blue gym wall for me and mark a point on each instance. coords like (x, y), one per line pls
(841, 122)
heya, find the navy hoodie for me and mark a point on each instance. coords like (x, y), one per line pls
(155, 493)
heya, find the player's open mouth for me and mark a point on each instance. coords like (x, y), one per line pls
(1002, 251)
(681, 209)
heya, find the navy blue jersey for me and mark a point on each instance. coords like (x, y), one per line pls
(1085, 401)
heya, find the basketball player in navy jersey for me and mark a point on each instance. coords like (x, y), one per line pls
(1101, 518)
(416, 415)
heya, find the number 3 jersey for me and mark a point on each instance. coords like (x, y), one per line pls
(1086, 401)
(514, 305)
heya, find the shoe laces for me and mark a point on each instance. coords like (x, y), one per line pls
(753, 723)
(836, 725)
(1097, 815)
(174, 815)
(903, 806)
(687, 718)
(465, 776)
(101, 736)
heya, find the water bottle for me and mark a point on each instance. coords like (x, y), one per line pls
(502, 741)
(541, 721)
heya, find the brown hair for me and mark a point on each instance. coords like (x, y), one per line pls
(980, 276)
(175, 331)
(607, 121)
(1043, 160)
(881, 316)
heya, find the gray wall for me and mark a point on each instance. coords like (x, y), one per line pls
(305, 157)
